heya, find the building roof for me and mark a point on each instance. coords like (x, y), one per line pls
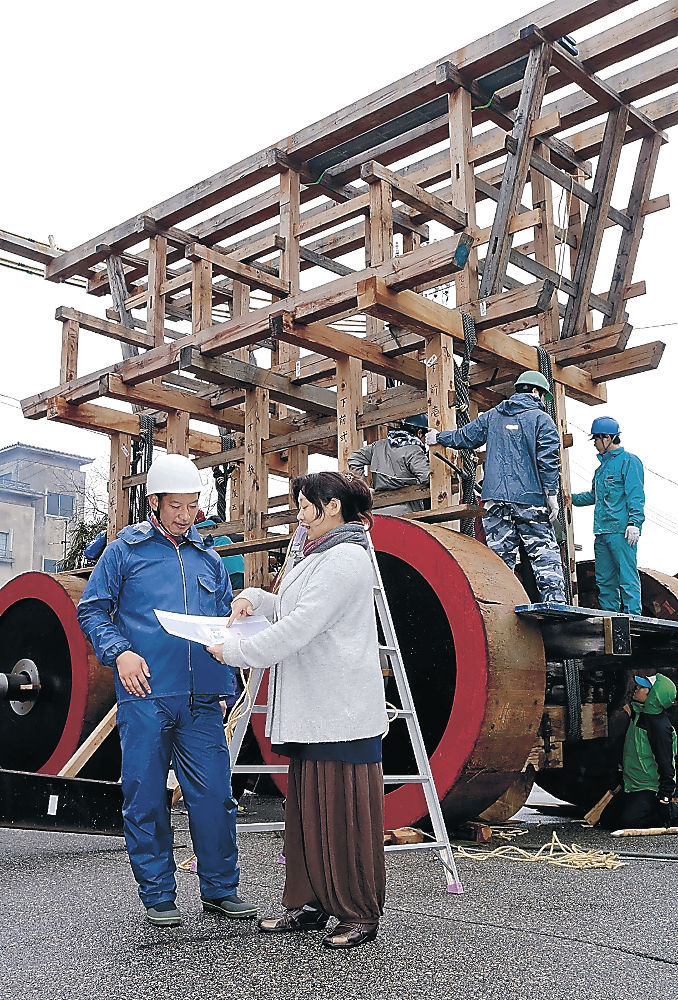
(80, 459)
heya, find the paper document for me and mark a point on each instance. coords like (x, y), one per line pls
(206, 630)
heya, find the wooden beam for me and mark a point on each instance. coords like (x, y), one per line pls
(515, 171)
(594, 225)
(632, 361)
(630, 240)
(590, 346)
(427, 204)
(252, 276)
(335, 344)
(229, 371)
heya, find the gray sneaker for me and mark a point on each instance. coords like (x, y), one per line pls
(163, 914)
(231, 907)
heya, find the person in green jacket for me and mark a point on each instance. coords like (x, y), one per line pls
(619, 499)
(649, 759)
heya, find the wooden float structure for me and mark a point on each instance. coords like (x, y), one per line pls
(297, 302)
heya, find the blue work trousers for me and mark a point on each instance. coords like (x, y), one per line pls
(617, 574)
(153, 733)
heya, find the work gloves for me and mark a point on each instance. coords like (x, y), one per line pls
(553, 508)
(431, 438)
(664, 810)
(632, 534)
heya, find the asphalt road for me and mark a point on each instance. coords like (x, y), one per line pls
(72, 928)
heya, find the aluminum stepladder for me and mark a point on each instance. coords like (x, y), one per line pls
(391, 660)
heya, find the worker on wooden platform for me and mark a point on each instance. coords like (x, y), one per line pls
(396, 461)
(522, 472)
(168, 692)
(619, 498)
(649, 759)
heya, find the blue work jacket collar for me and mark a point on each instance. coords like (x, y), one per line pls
(611, 454)
(134, 534)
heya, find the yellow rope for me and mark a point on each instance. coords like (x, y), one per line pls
(554, 853)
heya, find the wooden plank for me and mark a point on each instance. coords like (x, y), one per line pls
(252, 276)
(429, 205)
(632, 361)
(88, 748)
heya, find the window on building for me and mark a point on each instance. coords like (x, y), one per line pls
(5, 550)
(60, 504)
(50, 565)
(5, 477)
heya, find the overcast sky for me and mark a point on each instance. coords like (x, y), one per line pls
(105, 116)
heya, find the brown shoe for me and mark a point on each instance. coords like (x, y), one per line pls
(346, 935)
(294, 920)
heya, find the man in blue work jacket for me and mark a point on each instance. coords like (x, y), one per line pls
(522, 472)
(619, 499)
(168, 692)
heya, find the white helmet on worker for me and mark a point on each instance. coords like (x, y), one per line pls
(173, 474)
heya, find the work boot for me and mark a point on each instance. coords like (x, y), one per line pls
(230, 906)
(164, 914)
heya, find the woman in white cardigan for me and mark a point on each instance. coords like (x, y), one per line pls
(326, 712)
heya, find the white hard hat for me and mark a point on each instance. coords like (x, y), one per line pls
(173, 474)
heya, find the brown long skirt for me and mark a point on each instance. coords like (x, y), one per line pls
(334, 839)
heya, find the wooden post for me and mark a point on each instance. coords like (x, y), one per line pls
(201, 295)
(70, 330)
(549, 333)
(118, 507)
(378, 248)
(155, 307)
(349, 407)
(290, 264)
(463, 187)
(255, 483)
(177, 432)
(87, 749)
(297, 465)
(442, 415)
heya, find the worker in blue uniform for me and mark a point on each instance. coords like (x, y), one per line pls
(522, 475)
(168, 692)
(619, 498)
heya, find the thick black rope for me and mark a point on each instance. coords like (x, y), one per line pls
(222, 474)
(570, 667)
(142, 456)
(462, 398)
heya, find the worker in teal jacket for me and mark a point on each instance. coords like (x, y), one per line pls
(619, 499)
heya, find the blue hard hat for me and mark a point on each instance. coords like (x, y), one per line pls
(605, 425)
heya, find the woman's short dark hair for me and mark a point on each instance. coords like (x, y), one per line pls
(351, 492)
